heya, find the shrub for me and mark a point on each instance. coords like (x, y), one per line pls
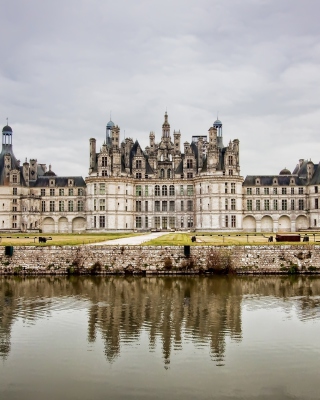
(168, 263)
(96, 267)
(219, 261)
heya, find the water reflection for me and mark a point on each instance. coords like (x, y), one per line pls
(173, 310)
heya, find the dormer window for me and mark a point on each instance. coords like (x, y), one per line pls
(14, 178)
(275, 181)
(51, 182)
(70, 182)
(257, 181)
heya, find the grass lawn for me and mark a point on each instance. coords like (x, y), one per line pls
(58, 239)
(224, 239)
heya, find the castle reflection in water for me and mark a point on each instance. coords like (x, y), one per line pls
(204, 310)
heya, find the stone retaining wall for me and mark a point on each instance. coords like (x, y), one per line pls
(169, 259)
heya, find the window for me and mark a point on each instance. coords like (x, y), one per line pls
(43, 192)
(138, 222)
(172, 222)
(94, 188)
(102, 188)
(301, 203)
(249, 205)
(190, 221)
(146, 222)
(233, 221)
(230, 160)
(52, 206)
(43, 206)
(104, 161)
(61, 205)
(102, 204)
(70, 205)
(182, 206)
(157, 222)
(171, 206)
(226, 204)
(292, 190)
(284, 190)
(104, 172)
(284, 204)
(316, 189)
(249, 190)
(162, 173)
(226, 187)
(226, 221)
(266, 190)
(138, 206)
(267, 205)
(190, 205)
(171, 190)
(258, 205)
(275, 190)
(146, 190)
(80, 192)
(138, 190)
(300, 190)
(70, 191)
(275, 205)
(146, 206)
(189, 163)
(61, 192)
(164, 206)
(52, 192)
(15, 209)
(189, 175)
(157, 205)
(230, 172)
(169, 173)
(181, 190)
(189, 190)
(164, 191)
(292, 204)
(257, 190)
(316, 203)
(14, 178)
(233, 188)
(80, 205)
(138, 164)
(15, 191)
(157, 190)
(182, 222)
(15, 201)
(94, 221)
(233, 204)
(95, 205)
(102, 221)
(164, 222)
(138, 175)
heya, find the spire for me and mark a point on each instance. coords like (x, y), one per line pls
(166, 127)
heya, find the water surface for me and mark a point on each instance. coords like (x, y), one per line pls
(159, 337)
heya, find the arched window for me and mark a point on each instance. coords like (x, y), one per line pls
(164, 190)
(157, 190)
(171, 190)
(169, 173)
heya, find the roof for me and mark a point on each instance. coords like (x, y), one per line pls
(7, 128)
(60, 181)
(267, 180)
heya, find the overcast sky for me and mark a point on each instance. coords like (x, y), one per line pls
(256, 63)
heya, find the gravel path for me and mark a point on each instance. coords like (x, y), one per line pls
(130, 241)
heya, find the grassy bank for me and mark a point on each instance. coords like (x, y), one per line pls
(58, 239)
(225, 239)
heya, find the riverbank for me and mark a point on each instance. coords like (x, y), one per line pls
(105, 260)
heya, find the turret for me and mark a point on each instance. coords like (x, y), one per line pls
(92, 154)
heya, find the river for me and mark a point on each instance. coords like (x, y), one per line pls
(160, 337)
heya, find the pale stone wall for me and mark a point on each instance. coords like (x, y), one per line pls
(113, 259)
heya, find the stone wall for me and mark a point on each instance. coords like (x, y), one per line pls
(169, 259)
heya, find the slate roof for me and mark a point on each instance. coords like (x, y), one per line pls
(267, 180)
(60, 181)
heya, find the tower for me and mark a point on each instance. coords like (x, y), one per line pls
(166, 127)
(218, 125)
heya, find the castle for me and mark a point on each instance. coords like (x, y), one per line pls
(158, 188)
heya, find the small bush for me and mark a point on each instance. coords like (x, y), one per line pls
(219, 261)
(293, 270)
(96, 267)
(168, 263)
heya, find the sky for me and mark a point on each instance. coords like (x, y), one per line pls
(65, 65)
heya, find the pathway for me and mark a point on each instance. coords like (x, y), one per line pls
(131, 241)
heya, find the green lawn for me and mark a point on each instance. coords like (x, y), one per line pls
(58, 239)
(223, 239)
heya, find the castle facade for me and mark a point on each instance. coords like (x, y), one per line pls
(157, 188)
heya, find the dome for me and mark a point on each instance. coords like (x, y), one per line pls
(217, 122)
(285, 171)
(7, 128)
(49, 173)
(110, 125)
